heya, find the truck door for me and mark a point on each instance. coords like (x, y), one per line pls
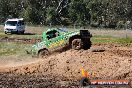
(54, 39)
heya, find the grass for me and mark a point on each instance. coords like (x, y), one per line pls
(123, 40)
(12, 48)
(110, 39)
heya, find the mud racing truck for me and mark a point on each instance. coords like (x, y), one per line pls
(57, 38)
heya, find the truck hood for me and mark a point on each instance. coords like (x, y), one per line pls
(69, 34)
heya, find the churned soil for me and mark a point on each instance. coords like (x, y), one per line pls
(62, 69)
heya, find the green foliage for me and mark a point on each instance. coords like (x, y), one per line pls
(63, 12)
(120, 24)
(78, 13)
(51, 16)
(26, 14)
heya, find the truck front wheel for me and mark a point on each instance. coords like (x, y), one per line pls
(5, 32)
(43, 53)
(76, 44)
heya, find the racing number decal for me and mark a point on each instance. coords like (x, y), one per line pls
(55, 44)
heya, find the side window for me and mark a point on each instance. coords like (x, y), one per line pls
(52, 34)
(20, 23)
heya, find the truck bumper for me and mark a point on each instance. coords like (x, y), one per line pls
(10, 30)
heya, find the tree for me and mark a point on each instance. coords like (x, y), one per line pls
(65, 12)
(78, 12)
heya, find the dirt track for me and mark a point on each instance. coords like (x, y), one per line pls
(63, 69)
(20, 40)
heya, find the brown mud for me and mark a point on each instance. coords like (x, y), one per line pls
(20, 40)
(62, 70)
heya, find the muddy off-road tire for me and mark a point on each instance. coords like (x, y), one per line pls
(22, 32)
(43, 53)
(87, 44)
(76, 44)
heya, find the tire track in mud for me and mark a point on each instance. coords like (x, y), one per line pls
(20, 40)
(32, 81)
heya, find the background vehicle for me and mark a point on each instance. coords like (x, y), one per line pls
(14, 26)
(55, 39)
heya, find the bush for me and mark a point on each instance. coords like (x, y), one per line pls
(120, 24)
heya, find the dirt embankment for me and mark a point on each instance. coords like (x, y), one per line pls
(113, 63)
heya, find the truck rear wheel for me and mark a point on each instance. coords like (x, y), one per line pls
(22, 32)
(43, 53)
(76, 44)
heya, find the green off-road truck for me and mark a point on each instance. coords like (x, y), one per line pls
(58, 38)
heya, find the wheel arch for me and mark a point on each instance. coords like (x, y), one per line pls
(42, 50)
(73, 37)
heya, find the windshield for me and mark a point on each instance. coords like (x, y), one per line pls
(63, 29)
(11, 23)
